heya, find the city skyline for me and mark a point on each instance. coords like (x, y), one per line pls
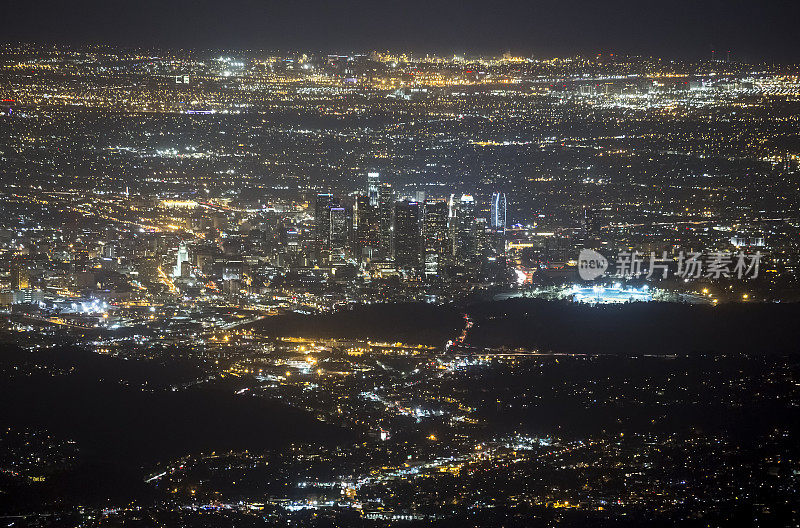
(391, 288)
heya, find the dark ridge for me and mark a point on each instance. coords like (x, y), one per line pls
(122, 430)
(639, 328)
(415, 323)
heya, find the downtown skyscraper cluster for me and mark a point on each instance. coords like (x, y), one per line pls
(414, 235)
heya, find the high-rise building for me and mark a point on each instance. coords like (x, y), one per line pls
(373, 188)
(462, 228)
(322, 224)
(292, 239)
(589, 221)
(233, 270)
(338, 234)
(407, 253)
(481, 248)
(385, 214)
(80, 257)
(186, 269)
(498, 212)
(110, 251)
(183, 256)
(366, 226)
(436, 238)
(20, 277)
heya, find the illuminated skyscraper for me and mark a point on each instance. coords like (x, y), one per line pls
(322, 224)
(462, 228)
(373, 188)
(498, 211)
(338, 233)
(366, 224)
(589, 221)
(407, 254)
(435, 236)
(183, 256)
(292, 239)
(20, 278)
(385, 214)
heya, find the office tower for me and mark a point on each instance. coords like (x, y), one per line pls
(20, 278)
(292, 239)
(496, 242)
(203, 257)
(435, 236)
(233, 270)
(385, 213)
(452, 211)
(186, 269)
(110, 251)
(183, 256)
(338, 234)
(482, 247)
(498, 211)
(462, 228)
(289, 245)
(322, 225)
(80, 257)
(373, 188)
(366, 226)
(589, 221)
(407, 254)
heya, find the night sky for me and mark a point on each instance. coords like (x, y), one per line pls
(750, 29)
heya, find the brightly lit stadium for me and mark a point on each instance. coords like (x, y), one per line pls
(614, 294)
